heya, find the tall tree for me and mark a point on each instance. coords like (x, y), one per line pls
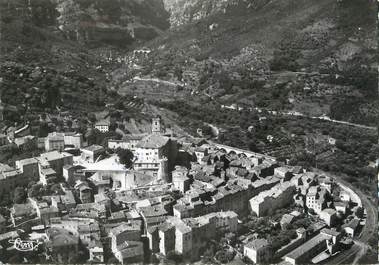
(126, 157)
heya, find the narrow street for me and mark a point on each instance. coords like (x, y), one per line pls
(345, 257)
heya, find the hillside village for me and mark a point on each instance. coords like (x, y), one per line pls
(176, 198)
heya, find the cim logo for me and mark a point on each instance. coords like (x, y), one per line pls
(25, 245)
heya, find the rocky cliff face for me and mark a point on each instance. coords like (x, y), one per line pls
(112, 21)
(186, 11)
(116, 22)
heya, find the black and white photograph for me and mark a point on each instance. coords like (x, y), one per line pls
(202, 132)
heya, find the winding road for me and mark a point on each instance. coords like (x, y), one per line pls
(299, 114)
(157, 80)
(326, 118)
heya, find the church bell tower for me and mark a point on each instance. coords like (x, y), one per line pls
(156, 126)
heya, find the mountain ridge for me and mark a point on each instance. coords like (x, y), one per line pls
(326, 51)
(247, 44)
